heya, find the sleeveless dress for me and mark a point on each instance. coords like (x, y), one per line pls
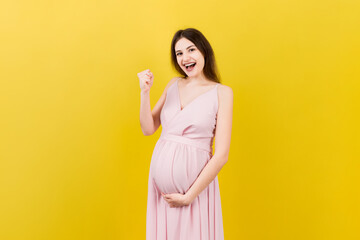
(180, 154)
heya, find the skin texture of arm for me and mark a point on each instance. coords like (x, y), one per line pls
(218, 160)
(150, 119)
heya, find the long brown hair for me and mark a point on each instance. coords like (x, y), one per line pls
(210, 69)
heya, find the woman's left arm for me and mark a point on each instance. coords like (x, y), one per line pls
(222, 144)
(218, 160)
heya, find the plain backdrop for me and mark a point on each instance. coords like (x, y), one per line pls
(73, 160)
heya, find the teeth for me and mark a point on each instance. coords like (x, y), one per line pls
(188, 65)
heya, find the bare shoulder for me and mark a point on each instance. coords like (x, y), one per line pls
(172, 80)
(225, 93)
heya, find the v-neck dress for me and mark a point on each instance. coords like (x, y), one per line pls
(180, 154)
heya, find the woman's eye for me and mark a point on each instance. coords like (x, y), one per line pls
(191, 49)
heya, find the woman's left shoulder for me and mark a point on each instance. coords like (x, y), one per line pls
(225, 91)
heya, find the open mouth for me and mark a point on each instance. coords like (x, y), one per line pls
(190, 66)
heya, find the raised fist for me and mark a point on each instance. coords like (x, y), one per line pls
(146, 80)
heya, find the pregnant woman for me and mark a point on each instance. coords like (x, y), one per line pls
(183, 191)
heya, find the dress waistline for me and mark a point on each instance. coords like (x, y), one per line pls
(202, 143)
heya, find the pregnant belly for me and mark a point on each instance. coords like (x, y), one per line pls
(175, 166)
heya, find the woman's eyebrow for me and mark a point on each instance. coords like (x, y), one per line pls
(186, 48)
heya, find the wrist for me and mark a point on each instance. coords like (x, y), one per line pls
(144, 91)
(189, 198)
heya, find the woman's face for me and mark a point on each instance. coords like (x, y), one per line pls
(188, 54)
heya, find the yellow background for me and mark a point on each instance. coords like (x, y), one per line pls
(74, 163)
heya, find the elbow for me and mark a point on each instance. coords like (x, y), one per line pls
(222, 158)
(147, 132)
(147, 129)
(225, 160)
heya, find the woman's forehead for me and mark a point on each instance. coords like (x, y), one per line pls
(183, 44)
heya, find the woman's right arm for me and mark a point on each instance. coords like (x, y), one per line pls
(150, 120)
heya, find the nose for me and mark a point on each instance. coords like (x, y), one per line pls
(186, 57)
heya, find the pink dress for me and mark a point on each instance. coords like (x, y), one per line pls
(180, 154)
